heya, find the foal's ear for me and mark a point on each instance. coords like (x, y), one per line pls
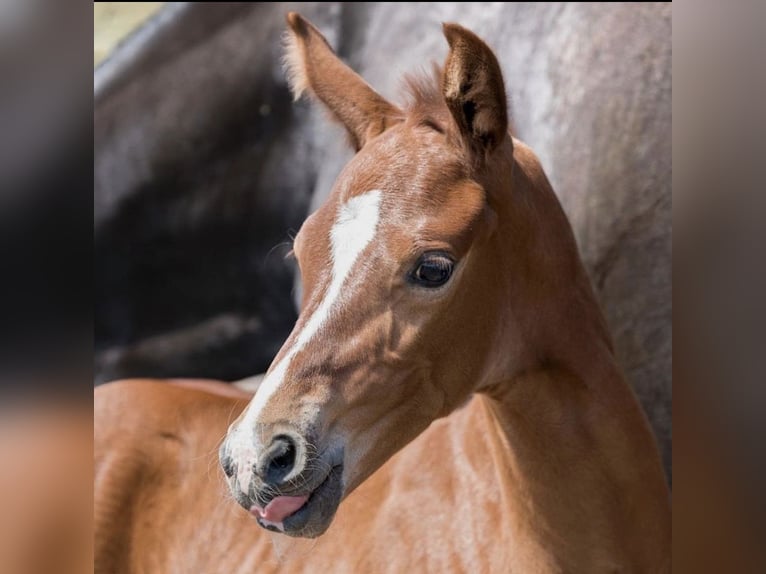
(473, 88)
(312, 66)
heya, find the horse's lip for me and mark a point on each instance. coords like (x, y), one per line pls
(327, 477)
(302, 490)
(323, 499)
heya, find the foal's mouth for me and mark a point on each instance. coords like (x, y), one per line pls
(306, 513)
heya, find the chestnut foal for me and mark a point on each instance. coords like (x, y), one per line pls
(441, 277)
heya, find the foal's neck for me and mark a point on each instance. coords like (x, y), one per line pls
(580, 471)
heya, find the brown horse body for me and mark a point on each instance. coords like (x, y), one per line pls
(456, 499)
(441, 278)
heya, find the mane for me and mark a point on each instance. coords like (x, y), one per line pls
(424, 101)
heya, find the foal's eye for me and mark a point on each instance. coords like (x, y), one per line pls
(432, 270)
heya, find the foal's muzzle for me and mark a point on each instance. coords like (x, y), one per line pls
(285, 485)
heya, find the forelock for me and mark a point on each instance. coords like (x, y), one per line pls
(424, 102)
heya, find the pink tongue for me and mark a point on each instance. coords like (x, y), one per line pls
(280, 508)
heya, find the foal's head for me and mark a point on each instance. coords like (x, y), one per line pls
(401, 281)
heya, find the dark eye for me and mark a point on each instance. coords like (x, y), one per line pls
(432, 270)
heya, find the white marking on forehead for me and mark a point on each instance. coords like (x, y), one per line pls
(352, 231)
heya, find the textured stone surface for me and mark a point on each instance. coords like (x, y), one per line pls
(203, 166)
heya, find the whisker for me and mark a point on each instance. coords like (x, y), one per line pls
(288, 244)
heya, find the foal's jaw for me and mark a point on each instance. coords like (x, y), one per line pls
(373, 358)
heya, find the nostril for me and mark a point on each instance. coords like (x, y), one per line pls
(227, 462)
(286, 459)
(280, 458)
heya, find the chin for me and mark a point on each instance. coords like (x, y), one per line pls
(314, 517)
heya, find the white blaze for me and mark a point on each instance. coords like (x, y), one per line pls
(352, 231)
